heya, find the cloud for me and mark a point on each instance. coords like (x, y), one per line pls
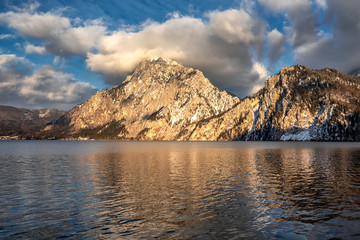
(42, 26)
(276, 41)
(5, 36)
(282, 5)
(225, 45)
(75, 40)
(60, 37)
(304, 23)
(340, 48)
(235, 26)
(321, 3)
(222, 47)
(22, 85)
(10, 63)
(35, 49)
(262, 73)
(331, 42)
(50, 84)
(302, 16)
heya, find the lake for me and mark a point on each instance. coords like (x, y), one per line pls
(179, 190)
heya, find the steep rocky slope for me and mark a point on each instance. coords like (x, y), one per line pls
(163, 100)
(23, 123)
(157, 101)
(302, 104)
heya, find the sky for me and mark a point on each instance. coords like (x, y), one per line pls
(56, 54)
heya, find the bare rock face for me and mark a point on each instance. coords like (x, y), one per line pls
(163, 100)
(305, 104)
(158, 101)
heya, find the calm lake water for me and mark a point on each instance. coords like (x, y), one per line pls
(179, 190)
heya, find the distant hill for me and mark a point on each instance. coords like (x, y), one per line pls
(25, 123)
(163, 100)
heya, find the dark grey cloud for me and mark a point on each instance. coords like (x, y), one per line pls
(276, 46)
(304, 23)
(339, 49)
(22, 85)
(302, 17)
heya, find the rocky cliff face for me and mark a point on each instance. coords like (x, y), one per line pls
(306, 104)
(158, 101)
(163, 100)
(25, 123)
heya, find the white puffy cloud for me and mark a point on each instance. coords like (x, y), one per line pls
(8, 60)
(44, 26)
(221, 47)
(50, 84)
(120, 52)
(225, 44)
(75, 40)
(60, 36)
(22, 85)
(235, 26)
(35, 49)
(261, 71)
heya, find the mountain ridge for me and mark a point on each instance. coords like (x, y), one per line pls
(163, 100)
(22, 123)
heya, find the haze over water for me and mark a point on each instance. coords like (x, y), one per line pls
(172, 190)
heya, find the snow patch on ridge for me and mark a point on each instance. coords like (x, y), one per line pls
(301, 136)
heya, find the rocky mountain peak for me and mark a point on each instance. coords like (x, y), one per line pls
(308, 104)
(158, 63)
(160, 68)
(163, 100)
(301, 76)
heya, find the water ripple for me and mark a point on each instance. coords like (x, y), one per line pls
(113, 190)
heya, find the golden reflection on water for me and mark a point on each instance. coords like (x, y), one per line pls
(165, 191)
(171, 190)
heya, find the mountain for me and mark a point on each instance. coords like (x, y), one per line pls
(163, 100)
(158, 101)
(305, 104)
(20, 123)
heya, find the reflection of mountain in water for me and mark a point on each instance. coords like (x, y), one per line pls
(179, 190)
(167, 191)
